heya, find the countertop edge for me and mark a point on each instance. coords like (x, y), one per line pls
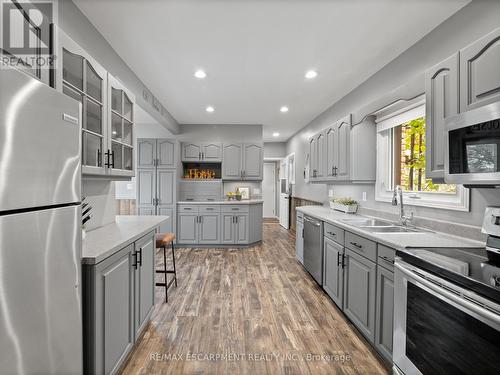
(244, 202)
(371, 236)
(93, 260)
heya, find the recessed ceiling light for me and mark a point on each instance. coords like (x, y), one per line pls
(200, 74)
(284, 109)
(311, 74)
(210, 109)
(276, 134)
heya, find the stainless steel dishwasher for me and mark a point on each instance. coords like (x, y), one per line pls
(313, 248)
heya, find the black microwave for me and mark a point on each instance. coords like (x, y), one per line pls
(472, 156)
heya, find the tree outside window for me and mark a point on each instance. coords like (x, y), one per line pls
(409, 159)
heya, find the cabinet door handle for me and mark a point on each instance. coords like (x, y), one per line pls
(387, 259)
(134, 254)
(344, 265)
(98, 158)
(107, 163)
(236, 219)
(356, 244)
(335, 170)
(202, 156)
(139, 261)
(338, 259)
(201, 219)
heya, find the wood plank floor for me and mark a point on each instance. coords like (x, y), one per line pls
(258, 307)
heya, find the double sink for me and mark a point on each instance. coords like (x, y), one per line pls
(380, 226)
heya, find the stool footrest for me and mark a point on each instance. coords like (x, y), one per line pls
(167, 285)
(162, 271)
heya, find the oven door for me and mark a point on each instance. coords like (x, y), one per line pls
(472, 154)
(440, 328)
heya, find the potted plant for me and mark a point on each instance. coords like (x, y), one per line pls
(347, 205)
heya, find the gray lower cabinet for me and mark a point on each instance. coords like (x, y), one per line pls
(235, 229)
(144, 280)
(333, 273)
(214, 224)
(299, 239)
(385, 312)
(209, 228)
(118, 298)
(359, 292)
(187, 228)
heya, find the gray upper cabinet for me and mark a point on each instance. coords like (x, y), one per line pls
(242, 161)
(334, 154)
(337, 151)
(165, 153)
(442, 100)
(232, 161)
(82, 78)
(252, 161)
(196, 151)
(385, 312)
(359, 292)
(333, 273)
(144, 281)
(480, 73)
(146, 153)
(212, 152)
(317, 149)
(191, 151)
(121, 108)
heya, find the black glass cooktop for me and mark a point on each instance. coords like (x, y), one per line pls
(468, 267)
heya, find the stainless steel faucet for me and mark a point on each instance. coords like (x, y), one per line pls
(403, 219)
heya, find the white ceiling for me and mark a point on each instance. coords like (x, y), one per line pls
(256, 52)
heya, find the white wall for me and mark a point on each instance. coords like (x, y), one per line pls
(402, 78)
(274, 150)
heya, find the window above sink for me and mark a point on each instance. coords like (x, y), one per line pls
(401, 160)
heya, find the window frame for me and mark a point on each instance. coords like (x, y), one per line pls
(458, 201)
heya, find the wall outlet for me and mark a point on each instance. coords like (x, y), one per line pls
(364, 196)
(330, 193)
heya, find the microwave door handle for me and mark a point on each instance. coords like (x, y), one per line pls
(450, 297)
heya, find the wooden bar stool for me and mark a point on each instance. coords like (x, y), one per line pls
(162, 241)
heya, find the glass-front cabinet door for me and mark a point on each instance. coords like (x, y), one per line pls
(82, 78)
(121, 117)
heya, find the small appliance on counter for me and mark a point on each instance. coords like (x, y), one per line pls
(447, 307)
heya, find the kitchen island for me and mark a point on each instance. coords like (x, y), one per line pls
(118, 272)
(219, 223)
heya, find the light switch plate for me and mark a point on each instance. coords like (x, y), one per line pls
(364, 196)
(330, 193)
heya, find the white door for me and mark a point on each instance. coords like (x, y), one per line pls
(269, 190)
(284, 202)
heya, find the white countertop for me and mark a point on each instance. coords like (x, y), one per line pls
(103, 242)
(397, 241)
(248, 201)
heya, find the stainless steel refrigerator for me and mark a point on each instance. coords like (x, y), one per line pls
(40, 230)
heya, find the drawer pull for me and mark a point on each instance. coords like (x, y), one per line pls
(331, 233)
(186, 208)
(235, 209)
(357, 245)
(387, 259)
(210, 209)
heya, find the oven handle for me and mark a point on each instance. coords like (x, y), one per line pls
(449, 296)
